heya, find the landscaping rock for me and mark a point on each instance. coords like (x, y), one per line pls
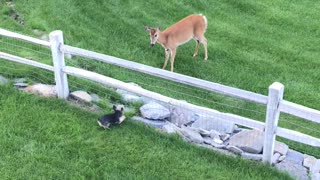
(20, 80)
(294, 169)
(281, 158)
(213, 123)
(316, 167)
(315, 176)
(214, 134)
(255, 157)
(281, 148)
(154, 111)
(275, 158)
(170, 128)
(42, 89)
(95, 98)
(224, 137)
(21, 85)
(191, 135)
(131, 97)
(182, 117)
(295, 157)
(212, 142)
(234, 149)
(157, 124)
(309, 161)
(81, 96)
(3, 80)
(250, 141)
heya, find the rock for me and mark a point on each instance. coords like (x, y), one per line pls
(21, 85)
(203, 132)
(250, 141)
(154, 111)
(81, 96)
(281, 158)
(316, 167)
(20, 80)
(213, 123)
(157, 124)
(95, 98)
(224, 137)
(256, 157)
(212, 142)
(275, 158)
(170, 128)
(223, 151)
(294, 169)
(192, 135)
(214, 134)
(131, 97)
(281, 148)
(315, 176)
(217, 140)
(235, 149)
(3, 80)
(295, 157)
(309, 161)
(182, 117)
(45, 37)
(42, 89)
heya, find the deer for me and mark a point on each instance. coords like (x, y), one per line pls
(191, 27)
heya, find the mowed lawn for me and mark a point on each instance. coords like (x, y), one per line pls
(48, 138)
(251, 44)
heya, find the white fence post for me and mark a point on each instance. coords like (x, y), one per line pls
(56, 39)
(272, 116)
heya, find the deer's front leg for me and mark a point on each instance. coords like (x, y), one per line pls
(167, 53)
(173, 55)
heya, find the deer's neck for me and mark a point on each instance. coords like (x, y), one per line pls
(162, 40)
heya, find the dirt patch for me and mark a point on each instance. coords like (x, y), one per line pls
(12, 13)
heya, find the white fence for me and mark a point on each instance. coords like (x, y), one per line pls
(274, 102)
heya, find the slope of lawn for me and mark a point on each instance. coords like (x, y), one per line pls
(48, 138)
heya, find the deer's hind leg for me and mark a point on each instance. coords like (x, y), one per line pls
(197, 48)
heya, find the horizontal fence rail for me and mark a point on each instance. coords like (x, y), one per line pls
(300, 111)
(242, 94)
(25, 61)
(7, 33)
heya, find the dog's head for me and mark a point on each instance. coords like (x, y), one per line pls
(118, 111)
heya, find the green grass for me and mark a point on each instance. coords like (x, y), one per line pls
(48, 138)
(251, 44)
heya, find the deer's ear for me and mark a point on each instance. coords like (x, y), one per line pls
(146, 28)
(159, 28)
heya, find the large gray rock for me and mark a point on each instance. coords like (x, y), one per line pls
(309, 161)
(181, 117)
(281, 148)
(316, 167)
(214, 142)
(154, 111)
(157, 124)
(255, 157)
(214, 123)
(170, 128)
(250, 141)
(81, 96)
(3, 80)
(235, 149)
(132, 97)
(95, 98)
(42, 89)
(294, 169)
(295, 157)
(191, 135)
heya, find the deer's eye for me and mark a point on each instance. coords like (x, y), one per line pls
(156, 35)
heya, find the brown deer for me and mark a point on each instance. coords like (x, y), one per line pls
(191, 27)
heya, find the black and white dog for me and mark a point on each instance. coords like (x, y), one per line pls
(116, 117)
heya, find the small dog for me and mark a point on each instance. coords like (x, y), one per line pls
(116, 117)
